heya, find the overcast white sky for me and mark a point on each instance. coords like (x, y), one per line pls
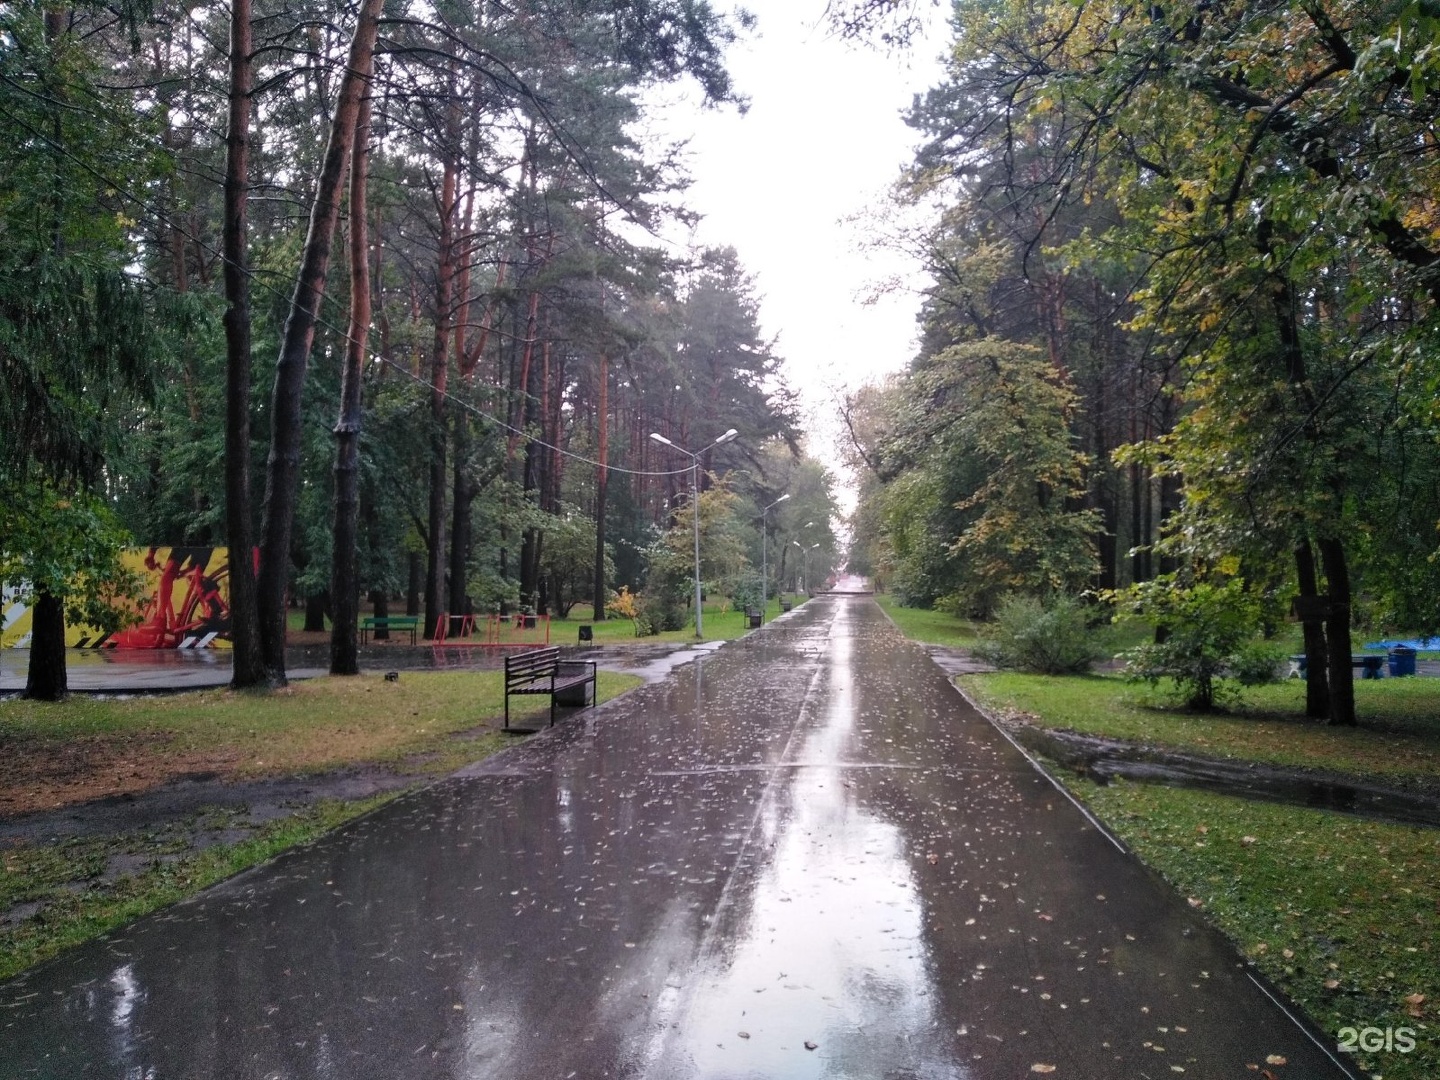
(823, 139)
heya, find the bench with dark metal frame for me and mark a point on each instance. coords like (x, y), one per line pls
(541, 671)
(388, 623)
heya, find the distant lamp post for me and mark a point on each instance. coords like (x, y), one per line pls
(695, 498)
(807, 591)
(800, 578)
(764, 545)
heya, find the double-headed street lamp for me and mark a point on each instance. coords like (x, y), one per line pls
(695, 498)
(805, 555)
(764, 544)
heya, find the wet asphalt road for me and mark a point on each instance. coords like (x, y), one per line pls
(801, 856)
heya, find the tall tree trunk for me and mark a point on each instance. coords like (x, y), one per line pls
(381, 601)
(1317, 661)
(602, 425)
(415, 581)
(283, 466)
(1337, 632)
(439, 373)
(247, 658)
(316, 604)
(464, 489)
(344, 565)
(530, 541)
(46, 678)
(1341, 677)
(463, 495)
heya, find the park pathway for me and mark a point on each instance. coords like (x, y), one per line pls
(803, 855)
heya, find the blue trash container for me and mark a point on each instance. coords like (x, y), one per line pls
(1402, 660)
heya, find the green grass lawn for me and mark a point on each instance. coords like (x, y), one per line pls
(311, 726)
(931, 627)
(723, 622)
(1342, 912)
(1398, 739)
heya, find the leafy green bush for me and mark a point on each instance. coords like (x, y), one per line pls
(744, 590)
(1202, 633)
(1257, 663)
(1040, 637)
(662, 609)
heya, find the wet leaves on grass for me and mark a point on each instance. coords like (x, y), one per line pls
(1339, 911)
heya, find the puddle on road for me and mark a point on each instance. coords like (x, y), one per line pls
(656, 668)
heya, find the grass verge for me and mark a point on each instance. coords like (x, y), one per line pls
(313, 725)
(1397, 741)
(76, 899)
(1343, 913)
(931, 627)
(723, 622)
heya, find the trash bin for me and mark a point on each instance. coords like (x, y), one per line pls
(754, 617)
(1402, 660)
(587, 634)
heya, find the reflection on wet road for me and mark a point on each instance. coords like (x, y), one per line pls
(800, 856)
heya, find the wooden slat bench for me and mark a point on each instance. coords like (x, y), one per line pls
(387, 623)
(541, 671)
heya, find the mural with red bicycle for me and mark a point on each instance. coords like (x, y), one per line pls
(185, 605)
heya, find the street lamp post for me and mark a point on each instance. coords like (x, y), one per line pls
(764, 545)
(695, 498)
(803, 568)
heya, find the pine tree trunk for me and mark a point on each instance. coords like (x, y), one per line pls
(1337, 633)
(46, 679)
(381, 610)
(248, 662)
(414, 583)
(439, 373)
(344, 565)
(315, 607)
(1317, 666)
(463, 495)
(286, 435)
(602, 426)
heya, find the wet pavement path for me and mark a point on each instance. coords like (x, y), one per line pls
(800, 856)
